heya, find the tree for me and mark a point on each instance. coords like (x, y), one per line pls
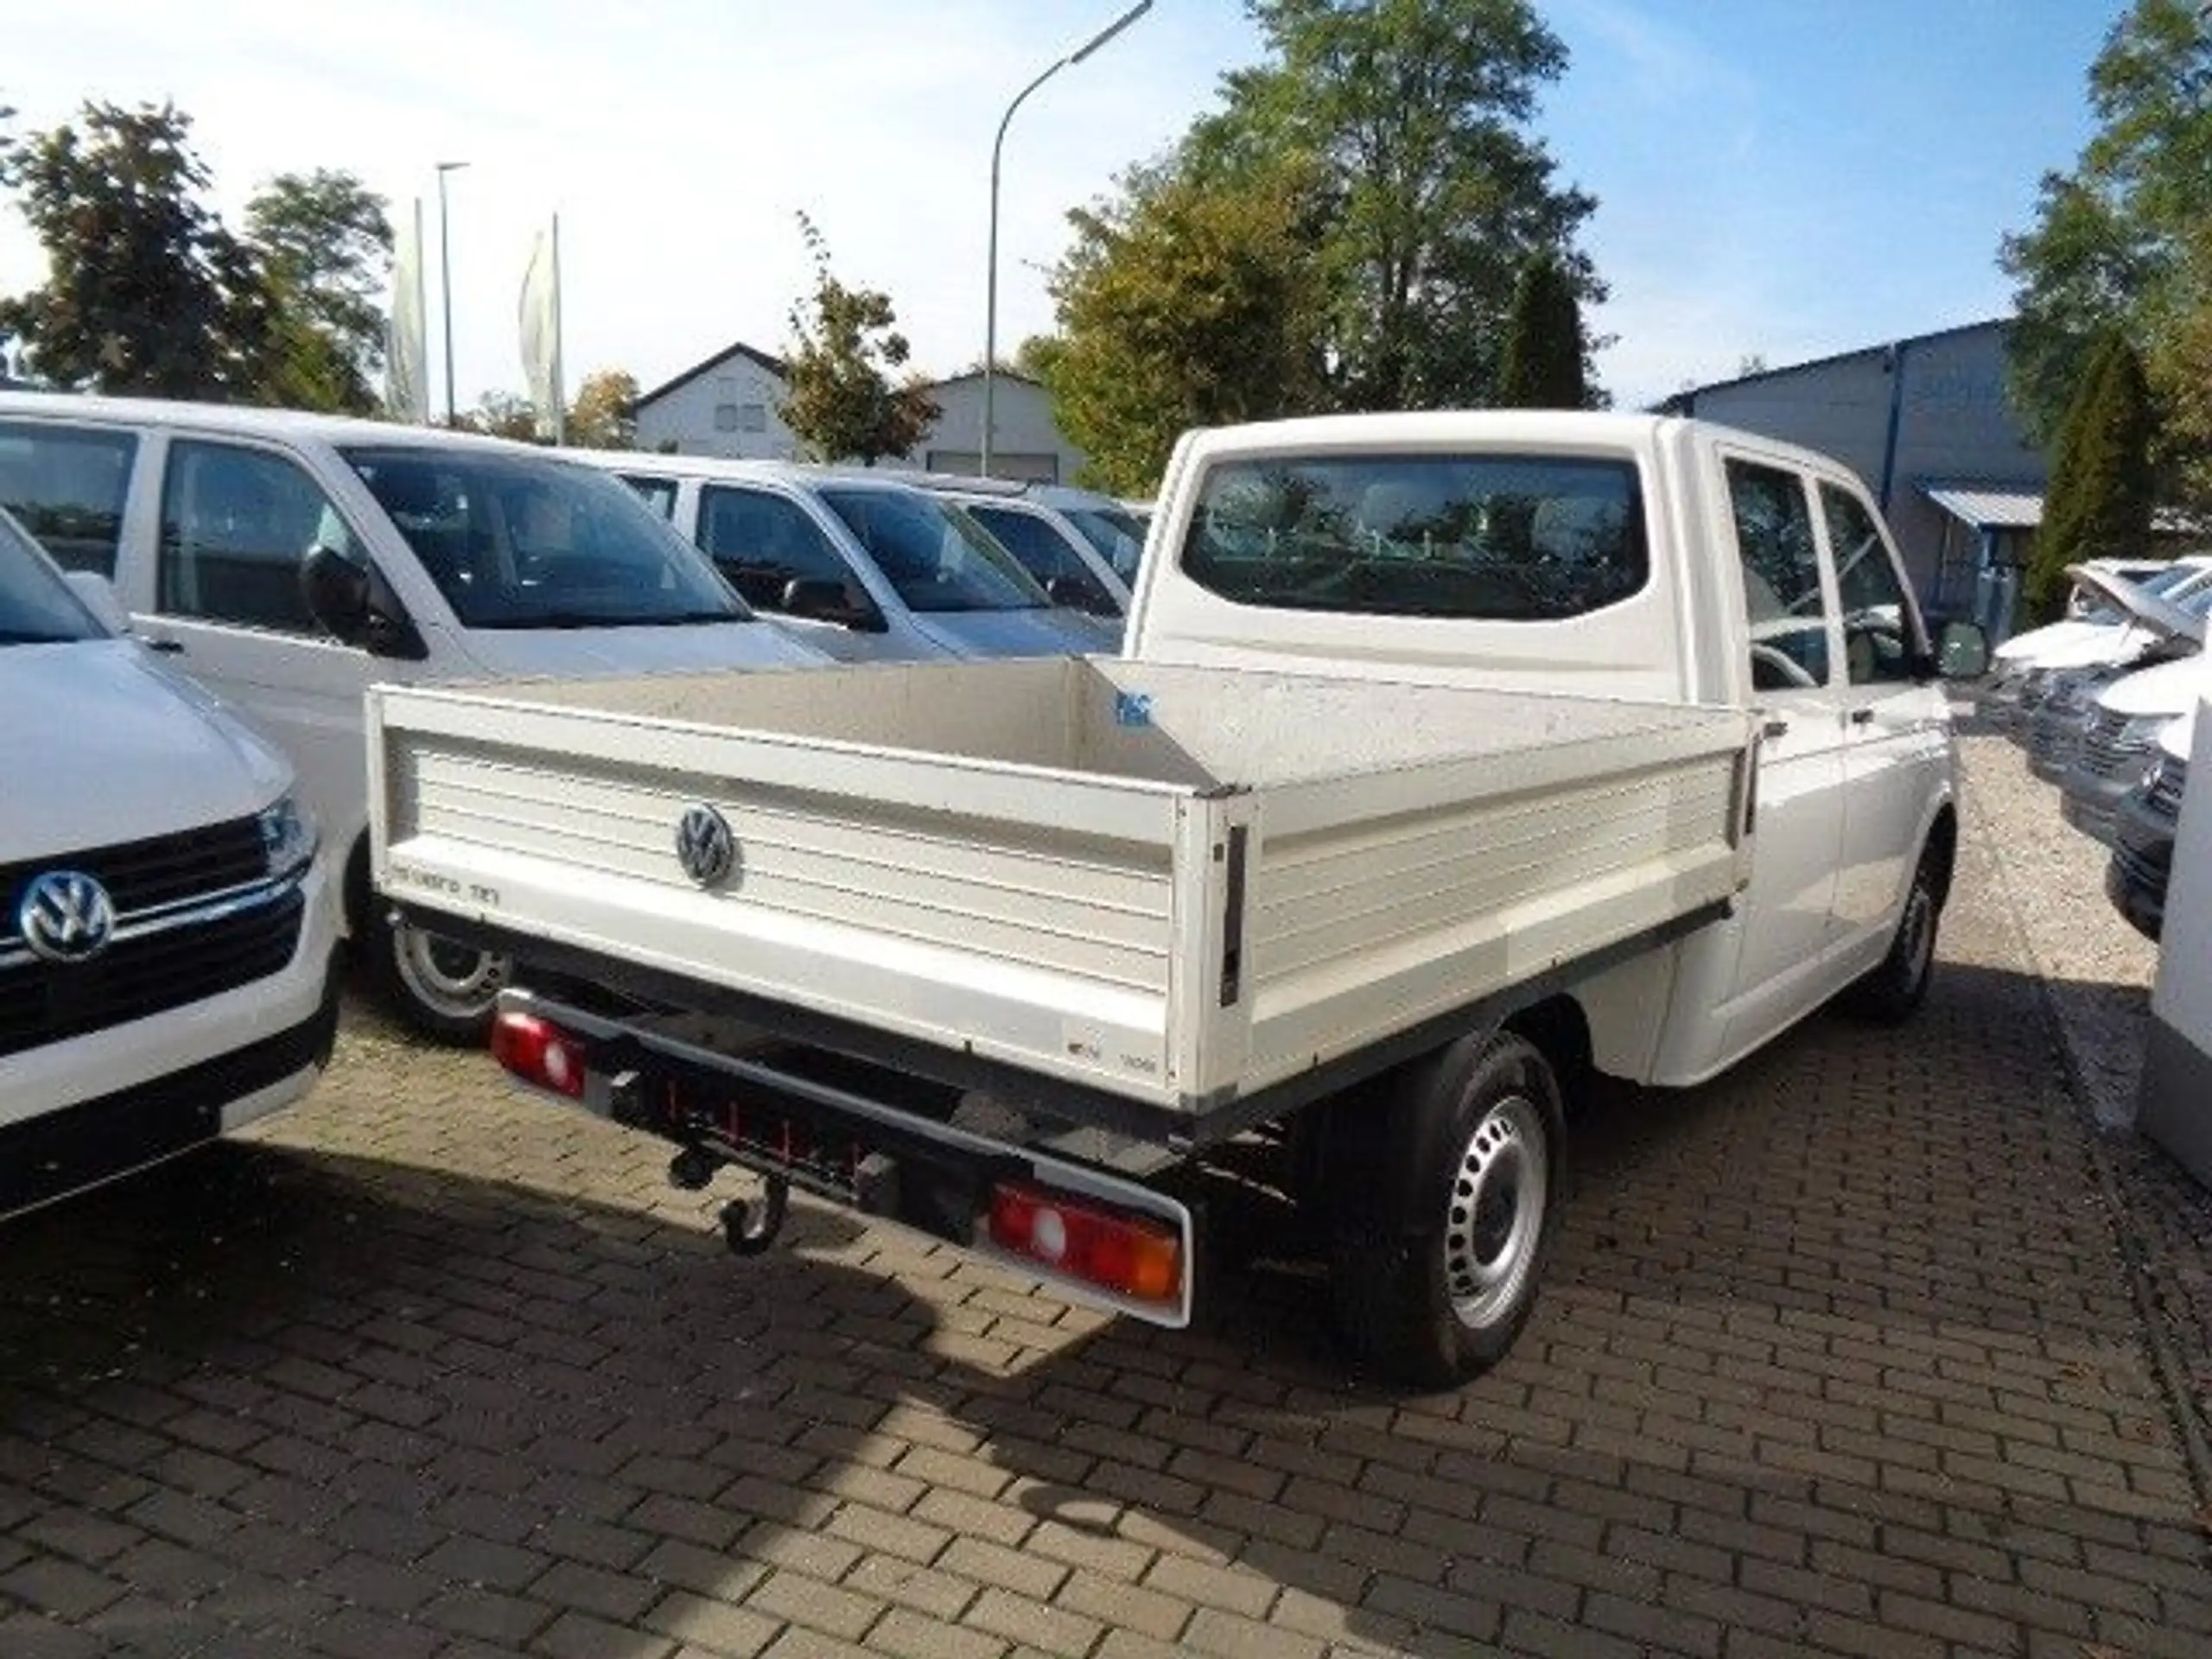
(840, 402)
(325, 245)
(1541, 365)
(603, 416)
(2099, 502)
(1424, 196)
(1181, 305)
(501, 415)
(146, 291)
(2109, 246)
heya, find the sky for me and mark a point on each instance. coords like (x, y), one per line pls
(1776, 178)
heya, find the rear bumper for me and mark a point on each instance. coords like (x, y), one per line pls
(56, 1153)
(776, 1110)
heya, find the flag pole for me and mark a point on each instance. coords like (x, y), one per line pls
(559, 396)
(418, 368)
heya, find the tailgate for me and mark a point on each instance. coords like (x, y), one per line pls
(1011, 913)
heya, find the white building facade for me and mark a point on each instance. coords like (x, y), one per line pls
(727, 406)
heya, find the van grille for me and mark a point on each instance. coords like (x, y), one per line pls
(2165, 793)
(2103, 753)
(46, 1002)
(159, 870)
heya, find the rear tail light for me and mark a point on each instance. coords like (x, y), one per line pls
(1136, 1256)
(539, 1052)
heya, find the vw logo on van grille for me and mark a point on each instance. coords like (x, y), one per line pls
(65, 916)
(704, 846)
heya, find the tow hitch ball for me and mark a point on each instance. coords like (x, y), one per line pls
(748, 1229)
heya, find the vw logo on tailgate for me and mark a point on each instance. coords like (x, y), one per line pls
(704, 846)
(65, 916)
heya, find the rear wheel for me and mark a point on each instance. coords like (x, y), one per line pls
(445, 990)
(1449, 1210)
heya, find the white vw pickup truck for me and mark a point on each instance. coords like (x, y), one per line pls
(1452, 758)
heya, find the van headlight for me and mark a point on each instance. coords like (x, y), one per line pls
(287, 835)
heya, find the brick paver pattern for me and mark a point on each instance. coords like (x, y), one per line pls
(1838, 1357)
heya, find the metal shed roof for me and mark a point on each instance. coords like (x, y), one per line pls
(1988, 506)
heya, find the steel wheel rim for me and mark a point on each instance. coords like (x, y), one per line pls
(454, 981)
(1494, 1213)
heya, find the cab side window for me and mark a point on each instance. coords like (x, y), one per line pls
(1880, 641)
(66, 484)
(235, 525)
(763, 542)
(1782, 600)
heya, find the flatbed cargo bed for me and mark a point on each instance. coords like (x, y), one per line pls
(1177, 888)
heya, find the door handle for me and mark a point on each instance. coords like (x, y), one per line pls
(1775, 729)
(1862, 716)
(157, 642)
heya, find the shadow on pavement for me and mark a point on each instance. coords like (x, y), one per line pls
(334, 1404)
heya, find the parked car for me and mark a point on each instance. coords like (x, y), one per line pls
(1452, 759)
(862, 565)
(2060, 691)
(2089, 639)
(2084, 599)
(2120, 741)
(2142, 831)
(166, 927)
(469, 557)
(1051, 547)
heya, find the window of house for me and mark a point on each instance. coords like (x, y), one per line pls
(725, 417)
(753, 417)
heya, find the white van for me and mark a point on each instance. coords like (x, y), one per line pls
(475, 557)
(863, 566)
(1048, 543)
(166, 929)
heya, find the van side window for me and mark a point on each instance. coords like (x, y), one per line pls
(1782, 599)
(235, 525)
(66, 484)
(763, 542)
(1880, 643)
(658, 493)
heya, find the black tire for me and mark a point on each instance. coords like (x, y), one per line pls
(1431, 1279)
(1898, 985)
(444, 991)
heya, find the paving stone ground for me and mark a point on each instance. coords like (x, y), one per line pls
(1844, 1354)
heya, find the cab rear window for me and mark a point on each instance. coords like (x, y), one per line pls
(1492, 537)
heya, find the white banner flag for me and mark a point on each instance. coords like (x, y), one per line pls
(541, 332)
(406, 347)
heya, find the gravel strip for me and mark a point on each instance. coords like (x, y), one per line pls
(2098, 972)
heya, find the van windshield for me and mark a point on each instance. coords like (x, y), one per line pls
(1114, 533)
(36, 607)
(936, 556)
(515, 542)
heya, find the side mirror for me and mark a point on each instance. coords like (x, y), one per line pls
(817, 599)
(352, 600)
(337, 593)
(99, 597)
(1079, 595)
(1963, 652)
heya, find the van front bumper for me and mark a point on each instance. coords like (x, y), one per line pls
(58, 1153)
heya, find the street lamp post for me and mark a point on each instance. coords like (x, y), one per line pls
(445, 276)
(991, 274)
